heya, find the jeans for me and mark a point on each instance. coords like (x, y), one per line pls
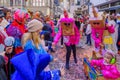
(88, 39)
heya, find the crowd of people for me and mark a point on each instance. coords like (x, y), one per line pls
(26, 41)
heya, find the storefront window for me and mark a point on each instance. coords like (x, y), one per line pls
(115, 3)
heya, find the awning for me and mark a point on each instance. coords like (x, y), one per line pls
(111, 8)
(114, 8)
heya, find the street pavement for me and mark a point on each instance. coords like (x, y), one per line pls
(76, 71)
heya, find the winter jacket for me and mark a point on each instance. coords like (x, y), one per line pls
(109, 71)
(68, 40)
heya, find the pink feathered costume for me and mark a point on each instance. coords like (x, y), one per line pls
(74, 39)
(109, 71)
(98, 40)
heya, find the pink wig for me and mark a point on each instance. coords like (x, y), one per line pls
(20, 15)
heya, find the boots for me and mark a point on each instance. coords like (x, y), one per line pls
(67, 62)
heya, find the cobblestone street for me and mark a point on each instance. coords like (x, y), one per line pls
(76, 70)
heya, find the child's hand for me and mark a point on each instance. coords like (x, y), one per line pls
(9, 50)
(62, 71)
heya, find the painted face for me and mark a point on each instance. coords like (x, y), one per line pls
(107, 58)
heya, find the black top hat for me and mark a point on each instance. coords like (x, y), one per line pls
(1, 14)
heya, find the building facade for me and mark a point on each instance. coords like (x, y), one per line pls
(112, 6)
(45, 6)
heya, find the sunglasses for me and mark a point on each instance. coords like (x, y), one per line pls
(96, 23)
(67, 24)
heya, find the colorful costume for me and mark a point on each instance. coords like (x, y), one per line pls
(68, 40)
(32, 67)
(70, 35)
(97, 28)
(16, 29)
(109, 71)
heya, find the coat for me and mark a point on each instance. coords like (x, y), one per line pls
(109, 71)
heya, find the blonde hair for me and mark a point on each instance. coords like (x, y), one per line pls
(31, 36)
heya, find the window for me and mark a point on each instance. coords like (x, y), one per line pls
(38, 3)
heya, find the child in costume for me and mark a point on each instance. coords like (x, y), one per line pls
(17, 28)
(107, 66)
(70, 35)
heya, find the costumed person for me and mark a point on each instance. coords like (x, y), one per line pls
(70, 35)
(97, 25)
(110, 39)
(107, 66)
(33, 65)
(17, 28)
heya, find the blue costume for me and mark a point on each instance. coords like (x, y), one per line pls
(30, 66)
(29, 45)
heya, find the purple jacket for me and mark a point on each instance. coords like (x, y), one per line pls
(68, 40)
